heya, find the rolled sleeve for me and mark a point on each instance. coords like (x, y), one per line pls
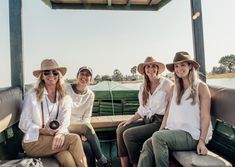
(26, 123)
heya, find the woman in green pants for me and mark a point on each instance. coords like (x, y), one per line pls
(186, 124)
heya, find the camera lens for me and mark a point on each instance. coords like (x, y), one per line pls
(54, 124)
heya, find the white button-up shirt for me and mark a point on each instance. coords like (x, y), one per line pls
(31, 117)
(157, 101)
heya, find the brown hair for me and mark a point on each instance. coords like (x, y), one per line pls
(146, 90)
(193, 76)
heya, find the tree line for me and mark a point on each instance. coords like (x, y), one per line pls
(227, 65)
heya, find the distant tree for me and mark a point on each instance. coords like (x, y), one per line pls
(106, 78)
(117, 75)
(98, 78)
(218, 70)
(134, 70)
(228, 62)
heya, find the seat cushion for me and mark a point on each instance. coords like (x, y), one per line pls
(108, 121)
(192, 159)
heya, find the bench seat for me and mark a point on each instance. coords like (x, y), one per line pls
(100, 122)
(192, 159)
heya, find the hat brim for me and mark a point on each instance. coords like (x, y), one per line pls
(170, 67)
(161, 67)
(62, 70)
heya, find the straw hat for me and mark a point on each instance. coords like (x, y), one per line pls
(181, 57)
(49, 64)
(151, 60)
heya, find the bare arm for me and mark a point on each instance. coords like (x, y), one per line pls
(169, 97)
(205, 103)
(132, 119)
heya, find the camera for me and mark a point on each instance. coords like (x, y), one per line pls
(54, 124)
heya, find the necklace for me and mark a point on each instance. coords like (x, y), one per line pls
(58, 109)
(48, 109)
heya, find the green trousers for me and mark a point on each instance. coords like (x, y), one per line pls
(155, 150)
(91, 147)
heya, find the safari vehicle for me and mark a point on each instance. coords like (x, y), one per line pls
(112, 106)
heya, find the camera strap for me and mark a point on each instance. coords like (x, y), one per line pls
(57, 114)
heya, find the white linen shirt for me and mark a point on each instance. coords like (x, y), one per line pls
(31, 116)
(157, 101)
(81, 106)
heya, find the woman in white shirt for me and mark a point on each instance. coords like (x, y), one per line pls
(153, 99)
(45, 119)
(186, 124)
(83, 99)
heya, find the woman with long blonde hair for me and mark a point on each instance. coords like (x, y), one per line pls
(46, 116)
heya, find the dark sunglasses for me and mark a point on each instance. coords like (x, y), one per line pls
(47, 72)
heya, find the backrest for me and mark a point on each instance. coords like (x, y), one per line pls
(223, 117)
(223, 104)
(10, 135)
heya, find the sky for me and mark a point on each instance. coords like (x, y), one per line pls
(109, 40)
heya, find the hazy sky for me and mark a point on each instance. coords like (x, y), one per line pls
(108, 40)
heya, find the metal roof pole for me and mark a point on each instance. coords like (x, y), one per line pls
(15, 27)
(198, 41)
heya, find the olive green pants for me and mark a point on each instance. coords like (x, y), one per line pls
(71, 154)
(155, 150)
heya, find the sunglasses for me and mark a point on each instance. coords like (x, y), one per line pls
(47, 72)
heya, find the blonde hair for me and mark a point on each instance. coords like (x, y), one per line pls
(193, 76)
(40, 85)
(147, 87)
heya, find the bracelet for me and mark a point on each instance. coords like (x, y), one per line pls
(202, 138)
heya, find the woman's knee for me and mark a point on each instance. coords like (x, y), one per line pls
(119, 131)
(159, 137)
(128, 134)
(88, 129)
(72, 138)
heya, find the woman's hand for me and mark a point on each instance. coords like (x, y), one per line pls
(124, 123)
(46, 131)
(58, 141)
(201, 148)
(83, 138)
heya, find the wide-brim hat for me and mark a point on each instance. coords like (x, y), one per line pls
(49, 64)
(151, 60)
(181, 57)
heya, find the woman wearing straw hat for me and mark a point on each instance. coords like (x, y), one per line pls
(186, 124)
(83, 99)
(46, 116)
(153, 99)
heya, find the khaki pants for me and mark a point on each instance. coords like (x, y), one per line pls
(71, 154)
